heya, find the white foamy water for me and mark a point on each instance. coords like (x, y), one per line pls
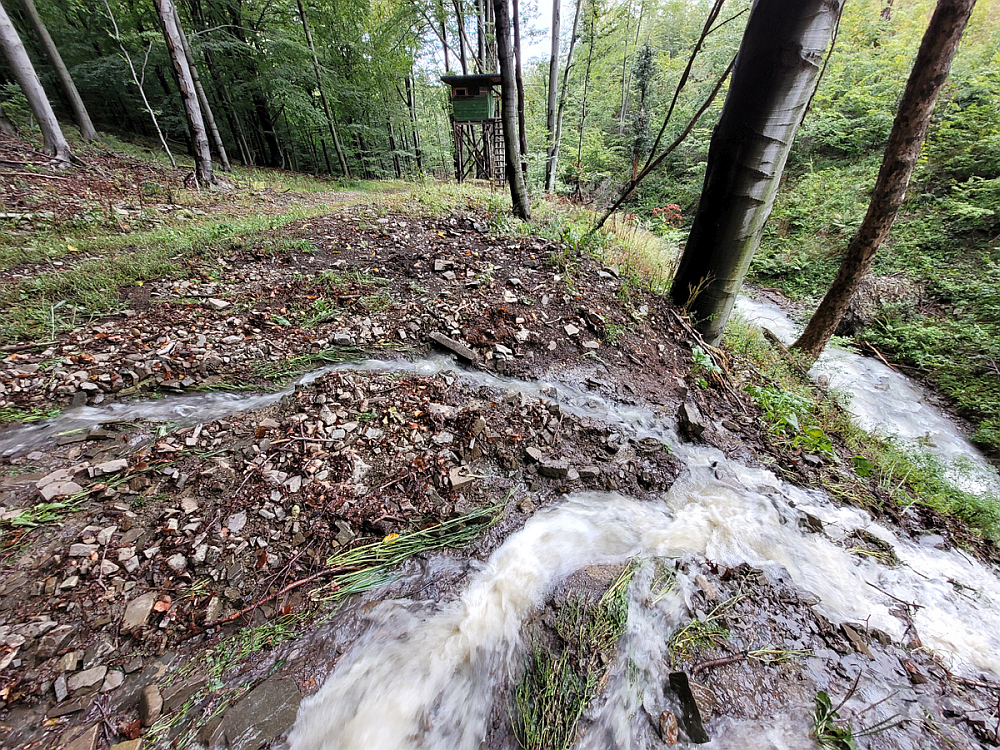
(428, 680)
(885, 402)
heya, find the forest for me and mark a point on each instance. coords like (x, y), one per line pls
(468, 374)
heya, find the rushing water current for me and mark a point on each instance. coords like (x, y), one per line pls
(427, 675)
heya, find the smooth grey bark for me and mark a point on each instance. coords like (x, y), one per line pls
(7, 126)
(553, 160)
(553, 98)
(206, 108)
(902, 150)
(775, 74)
(522, 130)
(338, 147)
(80, 113)
(27, 79)
(185, 82)
(508, 97)
(139, 80)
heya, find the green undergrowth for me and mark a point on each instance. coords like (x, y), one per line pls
(51, 302)
(807, 420)
(561, 679)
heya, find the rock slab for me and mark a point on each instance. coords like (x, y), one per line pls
(267, 712)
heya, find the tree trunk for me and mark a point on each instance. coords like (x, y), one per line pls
(508, 95)
(206, 108)
(774, 77)
(583, 104)
(199, 136)
(481, 36)
(460, 18)
(341, 157)
(80, 113)
(553, 161)
(7, 126)
(522, 130)
(27, 79)
(412, 106)
(929, 73)
(441, 18)
(553, 98)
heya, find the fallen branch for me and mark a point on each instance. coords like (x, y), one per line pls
(275, 595)
(10, 348)
(34, 174)
(718, 662)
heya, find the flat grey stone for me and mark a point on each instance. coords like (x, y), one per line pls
(460, 349)
(137, 611)
(556, 468)
(86, 679)
(51, 643)
(266, 713)
(150, 705)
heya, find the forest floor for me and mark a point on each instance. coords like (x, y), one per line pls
(158, 576)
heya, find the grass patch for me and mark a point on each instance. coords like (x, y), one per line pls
(31, 414)
(48, 303)
(557, 686)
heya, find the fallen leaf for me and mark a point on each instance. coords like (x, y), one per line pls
(162, 606)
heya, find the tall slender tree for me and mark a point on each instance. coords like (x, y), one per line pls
(553, 160)
(80, 113)
(26, 77)
(553, 93)
(927, 77)
(508, 96)
(196, 123)
(206, 108)
(774, 77)
(334, 135)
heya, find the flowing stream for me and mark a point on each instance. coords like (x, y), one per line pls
(427, 675)
(885, 402)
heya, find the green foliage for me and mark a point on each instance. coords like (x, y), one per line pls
(828, 730)
(560, 682)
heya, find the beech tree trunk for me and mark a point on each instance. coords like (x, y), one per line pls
(553, 160)
(26, 77)
(929, 73)
(80, 113)
(550, 109)
(508, 96)
(774, 77)
(196, 124)
(338, 147)
(206, 108)
(522, 130)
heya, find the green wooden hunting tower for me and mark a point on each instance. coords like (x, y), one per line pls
(475, 126)
(472, 97)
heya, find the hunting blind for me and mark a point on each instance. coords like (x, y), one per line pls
(476, 129)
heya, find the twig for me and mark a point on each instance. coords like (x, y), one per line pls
(879, 355)
(718, 662)
(272, 597)
(901, 601)
(34, 174)
(10, 348)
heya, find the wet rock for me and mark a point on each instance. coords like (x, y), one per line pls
(856, 640)
(137, 612)
(113, 680)
(556, 468)
(177, 695)
(459, 477)
(454, 346)
(75, 739)
(690, 420)
(60, 688)
(86, 679)
(704, 698)
(668, 728)
(590, 472)
(262, 716)
(150, 705)
(51, 643)
(691, 721)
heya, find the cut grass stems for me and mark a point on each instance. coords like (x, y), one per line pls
(370, 565)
